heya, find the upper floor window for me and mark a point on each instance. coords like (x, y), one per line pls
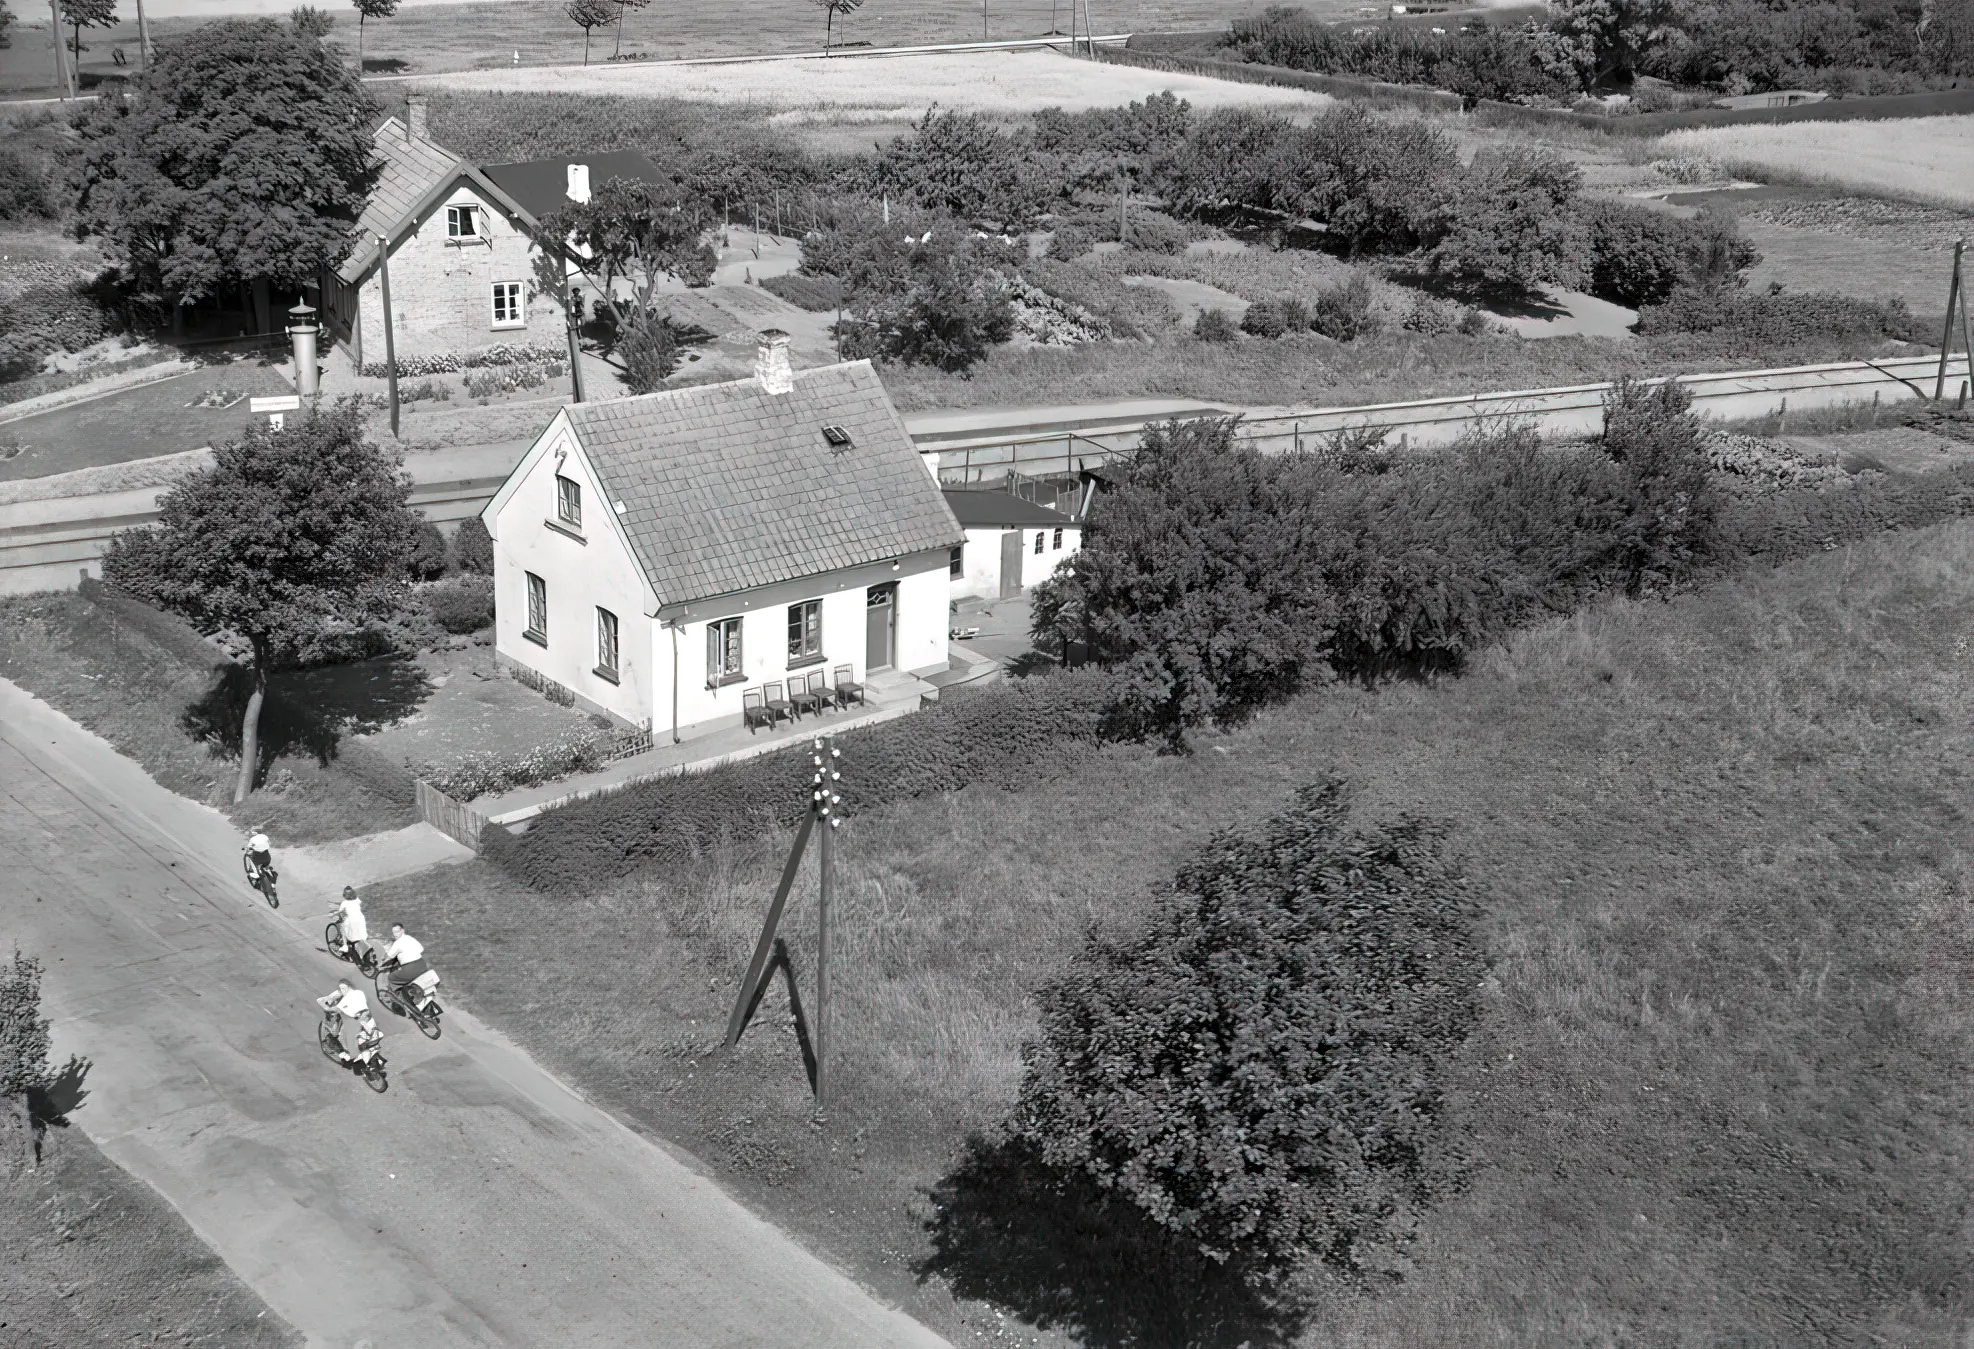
(956, 565)
(569, 501)
(510, 304)
(537, 609)
(805, 631)
(462, 222)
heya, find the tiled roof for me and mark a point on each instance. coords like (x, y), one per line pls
(413, 169)
(727, 488)
(981, 508)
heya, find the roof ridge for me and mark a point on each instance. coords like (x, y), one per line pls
(655, 395)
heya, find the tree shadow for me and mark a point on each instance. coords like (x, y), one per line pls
(1059, 1252)
(50, 1106)
(308, 711)
(1501, 300)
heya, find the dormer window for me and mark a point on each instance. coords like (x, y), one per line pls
(838, 438)
(463, 222)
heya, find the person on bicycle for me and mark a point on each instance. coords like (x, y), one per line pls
(404, 958)
(356, 928)
(347, 1003)
(261, 853)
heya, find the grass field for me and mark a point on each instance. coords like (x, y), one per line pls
(1927, 159)
(1717, 1095)
(97, 1260)
(898, 87)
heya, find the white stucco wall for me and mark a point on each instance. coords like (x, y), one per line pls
(581, 576)
(981, 563)
(442, 289)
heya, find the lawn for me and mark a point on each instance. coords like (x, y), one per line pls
(1925, 159)
(184, 412)
(1717, 1094)
(166, 699)
(96, 1259)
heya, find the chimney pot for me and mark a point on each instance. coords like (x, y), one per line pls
(415, 128)
(771, 368)
(579, 182)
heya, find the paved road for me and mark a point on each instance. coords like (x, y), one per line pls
(480, 1202)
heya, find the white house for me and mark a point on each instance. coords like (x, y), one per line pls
(1010, 543)
(659, 556)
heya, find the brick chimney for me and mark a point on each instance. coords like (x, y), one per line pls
(771, 368)
(579, 182)
(415, 128)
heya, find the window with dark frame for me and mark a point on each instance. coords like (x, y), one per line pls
(606, 644)
(1039, 536)
(956, 567)
(569, 501)
(805, 632)
(723, 652)
(537, 609)
(462, 222)
(1056, 547)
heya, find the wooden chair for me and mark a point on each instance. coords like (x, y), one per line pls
(810, 696)
(754, 710)
(776, 701)
(847, 687)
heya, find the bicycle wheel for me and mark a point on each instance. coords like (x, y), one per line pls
(332, 937)
(386, 999)
(375, 1078)
(267, 889)
(331, 1048)
(427, 1022)
(366, 960)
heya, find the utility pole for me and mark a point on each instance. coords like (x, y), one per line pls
(390, 340)
(825, 761)
(576, 348)
(1954, 297)
(62, 70)
(143, 39)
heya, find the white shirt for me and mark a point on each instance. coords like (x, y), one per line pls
(352, 1003)
(355, 928)
(405, 949)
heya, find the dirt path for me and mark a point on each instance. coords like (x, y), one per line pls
(480, 1202)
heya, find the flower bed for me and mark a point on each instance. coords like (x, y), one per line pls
(452, 362)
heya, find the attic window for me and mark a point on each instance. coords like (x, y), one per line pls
(838, 438)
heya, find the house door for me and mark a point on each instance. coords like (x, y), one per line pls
(1011, 562)
(880, 625)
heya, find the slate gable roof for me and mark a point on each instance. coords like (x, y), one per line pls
(983, 508)
(729, 488)
(414, 170)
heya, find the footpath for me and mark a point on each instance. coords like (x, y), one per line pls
(480, 1201)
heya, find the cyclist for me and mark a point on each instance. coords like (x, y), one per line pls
(260, 853)
(347, 1003)
(404, 958)
(355, 927)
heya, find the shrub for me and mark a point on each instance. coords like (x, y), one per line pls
(1511, 221)
(1262, 1066)
(1650, 431)
(1776, 318)
(24, 190)
(1157, 232)
(1639, 256)
(472, 547)
(817, 294)
(1215, 325)
(1481, 62)
(475, 775)
(649, 351)
(960, 163)
(1343, 311)
(427, 559)
(1003, 735)
(462, 605)
(43, 318)
(921, 292)
(1274, 318)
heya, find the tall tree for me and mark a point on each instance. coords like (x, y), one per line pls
(370, 9)
(622, 7)
(588, 15)
(24, 1043)
(6, 22)
(242, 155)
(832, 8)
(81, 14)
(289, 530)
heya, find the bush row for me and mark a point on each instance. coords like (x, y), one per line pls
(1778, 317)
(817, 294)
(452, 362)
(1001, 735)
(481, 774)
(1474, 62)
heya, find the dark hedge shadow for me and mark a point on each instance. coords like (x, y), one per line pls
(308, 711)
(1058, 1252)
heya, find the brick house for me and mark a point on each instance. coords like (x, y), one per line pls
(663, 557)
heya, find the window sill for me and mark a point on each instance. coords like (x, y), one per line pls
(803, 662)
(603, 672)
(540, 639)
(467, 241)
(509, 327)
(566, 532)
(724, 681)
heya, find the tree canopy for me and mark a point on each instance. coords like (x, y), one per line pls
(288, 532)
(242, 154)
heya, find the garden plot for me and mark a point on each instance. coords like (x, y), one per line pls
(898, 88)
(1928, 159)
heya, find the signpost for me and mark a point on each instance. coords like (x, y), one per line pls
(770, 952)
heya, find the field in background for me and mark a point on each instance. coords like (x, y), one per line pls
(1716, 1096)
(1928, 159)
(899, 87)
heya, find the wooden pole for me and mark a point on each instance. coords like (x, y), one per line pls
(827, 893)
(1946, 338)
(390, 337)
(1966, 333)
(143, 39)
(61, 64)
(757, 968)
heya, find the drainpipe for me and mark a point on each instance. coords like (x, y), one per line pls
(675, 681)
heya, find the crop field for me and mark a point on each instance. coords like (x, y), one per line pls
(1917, 158)
(899, 87)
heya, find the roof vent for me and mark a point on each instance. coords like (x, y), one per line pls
(839, 439)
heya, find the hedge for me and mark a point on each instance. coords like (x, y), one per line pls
(452, 362)
(1802, 520)
(817, 294)
(1003, 735)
